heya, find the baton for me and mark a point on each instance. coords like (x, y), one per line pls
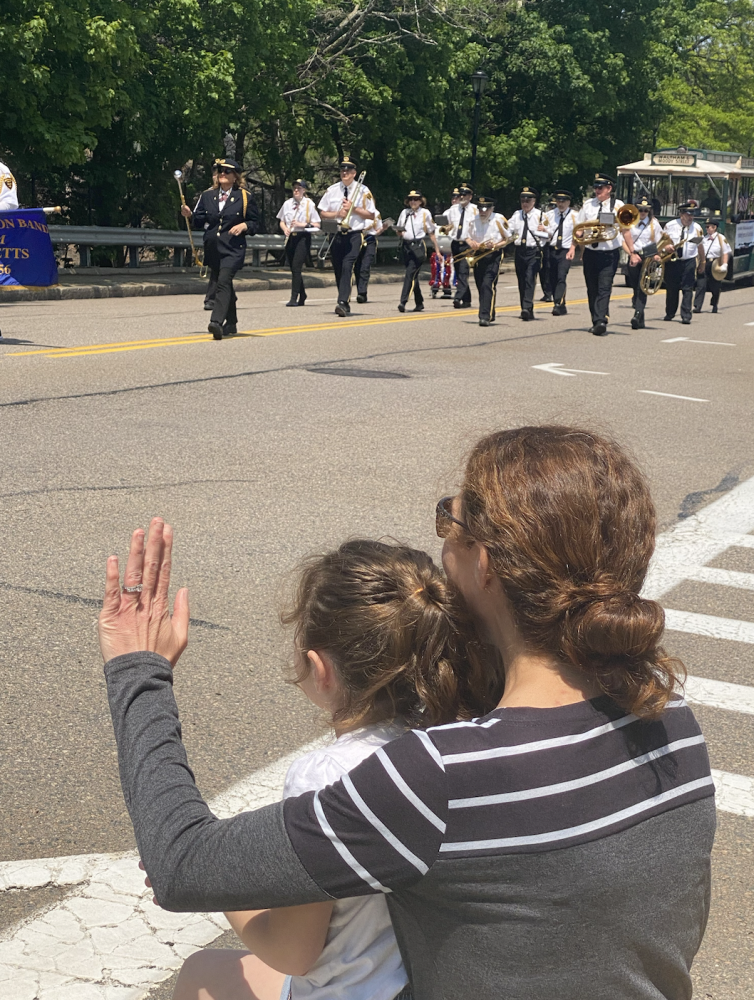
(178, 174)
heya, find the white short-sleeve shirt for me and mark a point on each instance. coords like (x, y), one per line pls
(415, 225)
(676, 230)
(568, 216)
(299, 211)
(590, 212)
(491, 230)
(333, 197)
(715, 246)
(645, 233)
(529, 222)
(360, 959)
(458, 230)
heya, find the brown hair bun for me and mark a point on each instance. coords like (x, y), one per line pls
(569, 524)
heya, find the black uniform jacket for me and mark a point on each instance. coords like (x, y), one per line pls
(219, 246)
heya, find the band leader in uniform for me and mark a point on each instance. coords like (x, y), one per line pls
(531, 228)
(645, 235)
(460, 216)
(680, 272)
(298, 217)
(415, 224)
(488, 235)
(335, 203)
(227, 213)
(560, 220)
(716, 252)
(601, 259)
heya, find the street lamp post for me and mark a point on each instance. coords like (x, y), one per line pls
(479, 84)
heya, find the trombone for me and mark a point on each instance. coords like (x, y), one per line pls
(342, 226)
(474, 255)
(178, 174)
(595, 231)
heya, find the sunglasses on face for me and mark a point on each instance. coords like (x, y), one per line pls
(444, 519)
(225, 170)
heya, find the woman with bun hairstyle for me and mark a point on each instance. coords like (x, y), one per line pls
(558, 846)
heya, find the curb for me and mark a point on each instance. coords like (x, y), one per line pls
(194, 286)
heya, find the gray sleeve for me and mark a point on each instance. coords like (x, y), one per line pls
(194, 860)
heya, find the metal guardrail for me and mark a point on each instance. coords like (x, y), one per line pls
(86, 237)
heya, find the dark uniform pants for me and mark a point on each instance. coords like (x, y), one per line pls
(297, 251)
(486, 273)
(363, 266)
(545, 271)
(599, 270)
(209, 295)
(222, 269)
(680, 278)
(639, 300)
(528, 261)
(345, 251)
(414, 255)
(705, 281)
(559, 268)
(463, 292)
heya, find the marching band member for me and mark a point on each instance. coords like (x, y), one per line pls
(226, 212)
(600, 260)
(362, 269)
(414, 224)
(546, 275)
(561, 223)
(442, 264)
(298, 215)
(645, 233)
(460, 216)
(336, 203)
(488, 230)
(531, 228)
(680, 273)
(8, 190)
(716, 250)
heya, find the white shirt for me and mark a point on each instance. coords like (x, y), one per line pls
(332, 200)
(8, 190)
(453, 215)
(676, 230)
(554, 216)
(534, 236)
(715, 246)
(491, 230)
(645, 233)
(415, 225)
(360, 959)
(298, 211)
(590, 211)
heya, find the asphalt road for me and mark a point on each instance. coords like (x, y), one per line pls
(302, 431)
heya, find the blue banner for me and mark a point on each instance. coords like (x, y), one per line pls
(26, 256)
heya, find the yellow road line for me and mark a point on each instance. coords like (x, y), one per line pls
(118, 347)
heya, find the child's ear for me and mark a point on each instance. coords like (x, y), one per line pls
(322, 671)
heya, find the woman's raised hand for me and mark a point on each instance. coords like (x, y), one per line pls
(137, 619)
(186, 212)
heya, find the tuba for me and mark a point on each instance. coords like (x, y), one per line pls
(595, 231)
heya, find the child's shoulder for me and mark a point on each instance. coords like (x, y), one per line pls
(325, 765)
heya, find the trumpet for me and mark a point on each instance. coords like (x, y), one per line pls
(595, 231)
(178, 174)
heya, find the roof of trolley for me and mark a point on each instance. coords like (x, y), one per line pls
(687, 161)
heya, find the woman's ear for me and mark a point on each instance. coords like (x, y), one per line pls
(322, 670)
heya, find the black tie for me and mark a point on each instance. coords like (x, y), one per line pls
(526, 228)
(345, 191)
(459, 237)
(559, 240)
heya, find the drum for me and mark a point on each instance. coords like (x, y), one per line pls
(444, 243)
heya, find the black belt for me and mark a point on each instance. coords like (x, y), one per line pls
(413, 243)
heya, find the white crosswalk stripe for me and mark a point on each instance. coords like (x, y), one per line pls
(107, 941)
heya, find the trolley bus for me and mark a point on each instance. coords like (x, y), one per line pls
(717, 181)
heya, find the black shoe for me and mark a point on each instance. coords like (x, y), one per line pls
(447, 293)
(209, 306)
(293, 302)
(361, 299)
(685, 322)
(302, 298)
(401, 307)
(419, 307)
(668, 319)
(465, 305)
(637, 322)
(340, 309)
(714, 309)
(599, 329)
(546, 298)
(526, 315)
(484, 322)
(230, 330)
(457, 304)
(215, 329)
(697, 310)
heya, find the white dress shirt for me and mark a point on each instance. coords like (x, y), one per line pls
(415, 225)
(644, 233)
(676, 230)
(590, 211)
(568, 217)
(715, 246)
(8, 190)
(491, 230)
(529, 222)
(332, 200)
(299, 211)
(453, 215)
